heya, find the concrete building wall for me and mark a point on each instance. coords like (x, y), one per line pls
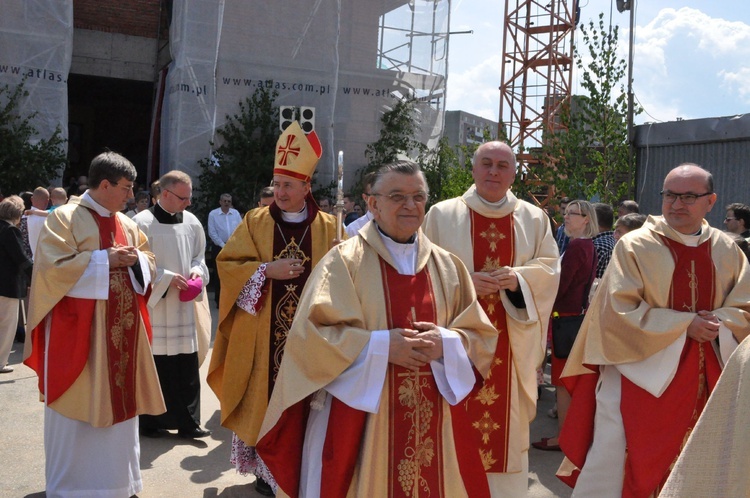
(129, 17)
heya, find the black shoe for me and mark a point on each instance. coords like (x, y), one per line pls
(193, 433)
(151, 432)
(263, 487)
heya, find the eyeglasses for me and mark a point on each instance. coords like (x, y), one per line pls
(418, 197)
(688, 199)
(729, 219)
(574, 214)
(183, 199)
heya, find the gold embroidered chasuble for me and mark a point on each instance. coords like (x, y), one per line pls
(241, 369)
(69, 238)
(343, 301)
(534, 257)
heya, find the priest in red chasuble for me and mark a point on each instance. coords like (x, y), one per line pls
(90, 337)
(509, 249)
(387, 342)
(672, 306)
(263, 268)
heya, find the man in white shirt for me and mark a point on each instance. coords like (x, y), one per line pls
(36, 216)
(221, 224)
(353, 228)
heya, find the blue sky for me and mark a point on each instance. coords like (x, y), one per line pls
(692, 57)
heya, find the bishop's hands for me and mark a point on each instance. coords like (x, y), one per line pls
(122, 256)
(704, 327)
(284, 269)
(486, 283)
(414, 348)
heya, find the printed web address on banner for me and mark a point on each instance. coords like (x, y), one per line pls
(42, 74)
(200, 90)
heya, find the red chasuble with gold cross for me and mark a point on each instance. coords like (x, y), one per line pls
(489, 405)
(656, 429)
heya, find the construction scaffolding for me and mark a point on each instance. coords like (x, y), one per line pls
(536, 81)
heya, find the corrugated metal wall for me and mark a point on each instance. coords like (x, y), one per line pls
(721, 145)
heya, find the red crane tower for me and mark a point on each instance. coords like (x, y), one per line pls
(536, 80)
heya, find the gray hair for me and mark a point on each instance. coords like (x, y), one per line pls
(402, 167)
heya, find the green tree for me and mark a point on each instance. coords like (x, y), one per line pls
(26, 161)
(590, 156)
(398, 135)
(241, 165)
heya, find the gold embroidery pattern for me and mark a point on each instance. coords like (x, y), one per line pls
(121, 321)
(487, 460)
(284, 315)
(422, 450)
(493, 236)
(486, 426)
(292, 251)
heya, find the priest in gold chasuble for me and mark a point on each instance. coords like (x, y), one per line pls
(90, 337)
(382, 351)
(263, 268)
(508, 247)
(672, 306)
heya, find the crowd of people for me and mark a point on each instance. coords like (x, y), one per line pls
(397, 355)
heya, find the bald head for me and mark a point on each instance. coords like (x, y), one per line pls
(694, 171)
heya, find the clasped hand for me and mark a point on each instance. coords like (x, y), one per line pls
(704, 327)
(120, 256)
(414, 348)
(486, 283)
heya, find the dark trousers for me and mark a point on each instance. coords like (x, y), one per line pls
(181, 388)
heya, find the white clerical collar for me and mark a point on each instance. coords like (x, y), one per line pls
(495, 205)
(690, 240)
(100, 210)
(404, 255)
(162, 207)
(297, 217)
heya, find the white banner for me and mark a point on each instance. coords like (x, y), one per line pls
(347, 60)
(36, 45)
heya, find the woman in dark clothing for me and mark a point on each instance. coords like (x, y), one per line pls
(15, 274)
(577, 273)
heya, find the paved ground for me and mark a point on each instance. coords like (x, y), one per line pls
(174, 467)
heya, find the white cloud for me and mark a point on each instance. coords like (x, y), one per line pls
(475, 90)
(738, 82)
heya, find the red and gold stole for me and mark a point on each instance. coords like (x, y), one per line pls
(415, 408)
(656, 429)
(123, 319)
(489, 404)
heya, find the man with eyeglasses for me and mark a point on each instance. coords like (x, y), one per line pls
(671, 308)
(377, 362)
(90, 335)
(737, 219)
(221, 224)
(180, 316)
(508, 246)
